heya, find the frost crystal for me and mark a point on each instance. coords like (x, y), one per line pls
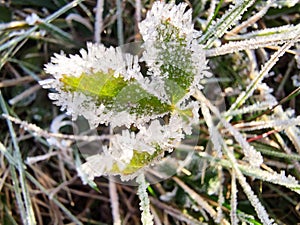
(96, 58)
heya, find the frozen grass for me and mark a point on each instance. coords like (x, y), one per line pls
(224, 183)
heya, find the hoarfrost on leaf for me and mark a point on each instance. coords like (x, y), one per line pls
(106, 86)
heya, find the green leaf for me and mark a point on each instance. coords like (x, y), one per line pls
(138, 161)
(176, 61)
(99, 84)
(116, 93)
(136, 100)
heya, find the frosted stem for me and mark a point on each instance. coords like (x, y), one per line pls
(114, 202)
(147, 218)
(98, 21)
(233, 200)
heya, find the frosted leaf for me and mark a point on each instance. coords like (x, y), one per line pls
(93, 85)
(155, 87)
(130, 152)
(280, 178)
(161, 14)
(78, 104)
(170, 37)
(96, 58)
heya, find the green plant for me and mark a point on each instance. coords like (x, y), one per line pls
(111, 87)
